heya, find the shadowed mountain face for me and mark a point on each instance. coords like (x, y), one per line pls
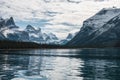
(103, 29)
(7, 23)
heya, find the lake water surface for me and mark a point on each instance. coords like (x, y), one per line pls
(60, 64)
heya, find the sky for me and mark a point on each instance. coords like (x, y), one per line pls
(57, 16)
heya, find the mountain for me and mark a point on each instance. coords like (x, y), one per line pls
(7, 23)
(9, 31)
(68, 38)
(71, 35)
(100, 30)
(36, 35)
(31, 29)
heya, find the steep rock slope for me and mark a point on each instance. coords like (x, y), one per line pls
(99, 30)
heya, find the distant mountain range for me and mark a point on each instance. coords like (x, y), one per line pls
(10, 31)
(100, 30)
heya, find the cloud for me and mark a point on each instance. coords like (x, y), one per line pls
(61, 16)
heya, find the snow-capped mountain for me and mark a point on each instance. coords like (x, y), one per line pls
(98, 20)
(36, 35)
(101, 29)
(7, 23)
(9, 31)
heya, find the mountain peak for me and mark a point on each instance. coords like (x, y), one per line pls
(99, 19)
(70, 36)
(9, 21)
(30, 28)
(52, 36)
(11, 18)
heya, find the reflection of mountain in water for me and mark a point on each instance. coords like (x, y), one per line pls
(34, 65)
(67, 64)
(10, 64)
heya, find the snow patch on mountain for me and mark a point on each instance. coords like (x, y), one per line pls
(98, 20)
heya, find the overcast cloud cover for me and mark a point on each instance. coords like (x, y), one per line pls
(57, 16)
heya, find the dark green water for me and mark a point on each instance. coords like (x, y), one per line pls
(60, 64)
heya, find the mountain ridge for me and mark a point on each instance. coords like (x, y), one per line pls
(90, 36)
(9, 31)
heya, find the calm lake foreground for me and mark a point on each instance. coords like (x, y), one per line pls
(60, 64)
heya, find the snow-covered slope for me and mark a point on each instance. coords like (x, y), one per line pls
(95, 30)
(35, 35)
(98, 20)
(108, 34)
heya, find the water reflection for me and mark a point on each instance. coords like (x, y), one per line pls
(101, 70)
(60, 64)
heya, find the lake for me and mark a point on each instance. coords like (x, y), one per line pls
(60, 64)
